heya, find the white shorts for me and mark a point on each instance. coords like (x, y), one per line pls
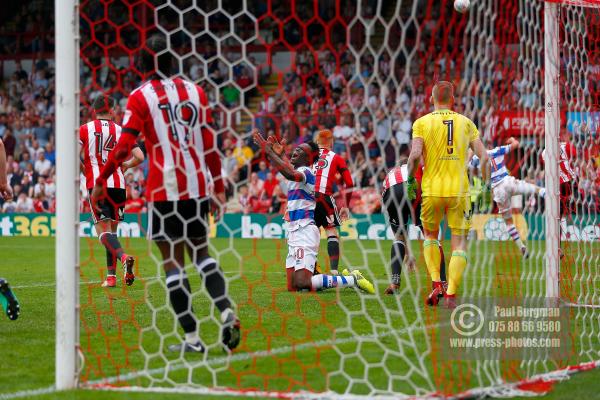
(303, 248)
(508, 188)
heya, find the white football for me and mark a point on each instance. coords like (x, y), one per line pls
(461, 5)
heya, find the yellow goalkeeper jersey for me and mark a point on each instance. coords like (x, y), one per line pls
(446, 136)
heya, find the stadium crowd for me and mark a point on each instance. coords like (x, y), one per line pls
(371, 122)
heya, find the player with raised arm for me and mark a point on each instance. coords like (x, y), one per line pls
(303, 234)
(443, 138)
(174, 117)
(566, 152)
(504, 187)
(9, 301)
(97, 139)
(399, 209)
(331, 169)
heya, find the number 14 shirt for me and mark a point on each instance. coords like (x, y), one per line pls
(97, 138)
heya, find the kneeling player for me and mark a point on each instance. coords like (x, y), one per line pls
(504, 187)
(399, 209)
(303, 234)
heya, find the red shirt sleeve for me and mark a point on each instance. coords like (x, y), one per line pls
(205, 111)
(82, 135)
(211, 154)
(571, 152)
(345, 178)
(136, 112)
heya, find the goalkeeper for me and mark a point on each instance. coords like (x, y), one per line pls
(443, 138)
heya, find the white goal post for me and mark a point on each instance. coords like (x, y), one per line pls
(551, 131)
(67, 193)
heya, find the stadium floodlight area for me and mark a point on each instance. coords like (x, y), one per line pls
(521, 68)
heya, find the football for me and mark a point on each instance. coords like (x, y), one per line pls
(461, 5)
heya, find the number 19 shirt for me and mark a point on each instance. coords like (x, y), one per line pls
(173, 115)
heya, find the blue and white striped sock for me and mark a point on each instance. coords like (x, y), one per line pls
(322, 281)
(514, 234)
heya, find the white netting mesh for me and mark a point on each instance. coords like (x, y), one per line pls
(365, 70)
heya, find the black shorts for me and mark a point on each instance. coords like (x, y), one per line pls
(566, 196)
(111, 207)
(399, 208)
(180, 219)
(326, 213)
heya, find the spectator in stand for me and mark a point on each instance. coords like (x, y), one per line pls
(49, 153)
(42, 165)
(383, 135)
(9, 206)
(231, 96)
(134, 203)
(262, 171)
(24, 204)
(342, 134)
(26, 185)
(402, 126)
(24, 157)
(243, 198)
(42, 133)
(40, 204)
(256, 186)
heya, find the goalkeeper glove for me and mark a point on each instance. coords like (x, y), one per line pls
(485, 200)
(411, 188)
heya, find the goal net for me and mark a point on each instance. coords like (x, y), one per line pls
(365, 70)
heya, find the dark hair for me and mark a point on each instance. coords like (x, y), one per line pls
(151, 61)
(103, 104)
(313, 146)
(314, 151)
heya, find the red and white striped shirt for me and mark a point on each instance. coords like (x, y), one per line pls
(173, 114)
(398, 175)
(97, 139)
(566, 151)
(326, 169)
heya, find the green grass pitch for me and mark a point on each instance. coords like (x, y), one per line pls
(288, 339)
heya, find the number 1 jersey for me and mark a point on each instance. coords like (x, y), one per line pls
(173, 115)
(97, 139)
(446, 138)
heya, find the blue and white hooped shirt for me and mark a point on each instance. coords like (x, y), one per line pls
(301, 200)
(499, 171)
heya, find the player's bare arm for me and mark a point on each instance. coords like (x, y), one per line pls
(514, 143)
(479, 150)
(5, 189)
(137, 157)
(283, 166)
(415, 155)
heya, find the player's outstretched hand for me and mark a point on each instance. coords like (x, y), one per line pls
(344, 214)
(278, 145)
(97, 195)
(218, 205)
(258, 138)
(485, 201)
(411, 263)
(411, 188)
(6, 191)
